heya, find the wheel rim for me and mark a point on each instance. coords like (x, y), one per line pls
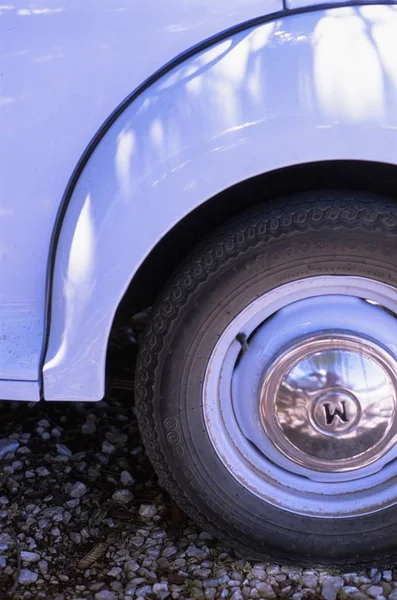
(304, 414)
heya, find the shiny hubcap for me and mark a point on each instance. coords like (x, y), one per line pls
(300, 396)
(329, 402)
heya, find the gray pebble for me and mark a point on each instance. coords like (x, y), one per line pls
(122, 496)
(42, 471)
(160, 588)
(137, 541)
(43, 566)
(64, 450)
(105, 595)
(203, 573)
(72, 503)
(144, 591)
(362, 579)
(169, 551)
(75, 537)
(52, 512)
(117, 586)
(7, 446)
(114, 572)
(215, 582)
(265, 589)
(78, 490)
(126, 479)
(131, 566)
(108, 448)
(196, 552)
(130, 589)
(374, 590)
(89, 427)
(309, 581)
(350, 592)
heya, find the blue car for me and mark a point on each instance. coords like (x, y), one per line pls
(217, 180)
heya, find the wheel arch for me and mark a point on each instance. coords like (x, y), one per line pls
(207, 125)
(180, 240)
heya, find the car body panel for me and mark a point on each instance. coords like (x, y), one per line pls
(64, 68)
(298, 89)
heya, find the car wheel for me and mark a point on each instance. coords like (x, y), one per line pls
(266, 382)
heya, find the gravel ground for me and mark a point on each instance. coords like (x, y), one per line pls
(82, 516)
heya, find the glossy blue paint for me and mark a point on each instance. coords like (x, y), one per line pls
(309, 87)
(64, 68)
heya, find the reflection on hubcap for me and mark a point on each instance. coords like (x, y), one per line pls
(329, 402)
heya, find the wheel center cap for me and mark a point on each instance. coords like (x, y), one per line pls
(329, 402)
(335, 412)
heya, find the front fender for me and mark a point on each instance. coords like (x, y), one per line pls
(307, 87)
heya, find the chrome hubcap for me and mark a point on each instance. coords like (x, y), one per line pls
(329, 402)
(304, 414)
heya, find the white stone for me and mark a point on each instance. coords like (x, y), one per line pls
(330, 587)
(375, 590)
(147, 511)
(27, 576)
(259, 573)
(160, 588)
(29, 557)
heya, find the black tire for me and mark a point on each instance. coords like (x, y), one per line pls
(300, 236)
